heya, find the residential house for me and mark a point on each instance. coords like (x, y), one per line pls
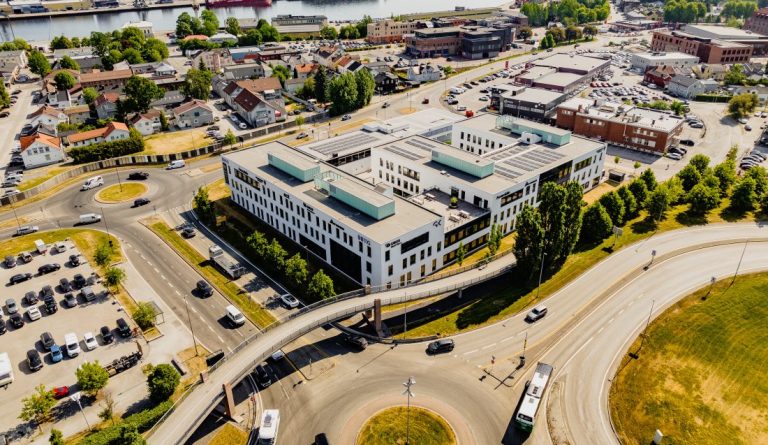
(305, 70)
(10, 71)
(223, 37)
(250, 70)
(46, 118)
(424, 72)
(49, 90)
(105, 80)
(259, 108)
(293, 85)
(105, 105)
(60, 98)
(112, 132)
(146, 123)
(758, 90)
(661, 75)
(710, 71)
(230, 90)
(156, 69)
(40, 149)
(78, 114)
(378, 67)
(18, 57)
(386, 82)
(684, 86)
(215, 59)
(84, 57)
(328, 56)
(194, 113)
(348, 64)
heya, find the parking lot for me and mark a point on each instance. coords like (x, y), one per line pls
(84, 316)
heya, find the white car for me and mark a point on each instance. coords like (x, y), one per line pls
(34, 313)
(90, 341)
(242, 126)
(289, 300)
(483, 98)
(71, 344)
(461, 108)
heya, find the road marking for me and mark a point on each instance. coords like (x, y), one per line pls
(469, 352)
(489, 346)
(156, 269)
(177, 292)
(193, 309)
(162, 276)
(211, 329)
(512, 337)
(610, 321)
(620, 312)
(149, 263)
(600, 330)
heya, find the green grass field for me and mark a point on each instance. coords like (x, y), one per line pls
(388, 427)
(121, 192)
(700, 377)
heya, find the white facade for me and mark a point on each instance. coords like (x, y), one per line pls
(39, 153)
(143, 26)
(678, 60)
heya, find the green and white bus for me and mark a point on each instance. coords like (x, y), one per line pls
(534, 392)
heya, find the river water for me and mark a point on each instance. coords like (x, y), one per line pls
(165, 19)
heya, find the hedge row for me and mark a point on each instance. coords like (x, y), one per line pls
(143, 421)
(106, 150)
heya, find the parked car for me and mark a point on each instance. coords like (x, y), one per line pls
(50, 305)
(204, 289)
(346, 117)
(10, 261)
(34, 313)
(289, 301)
(56, 356)
(302, 135)
(3, 329)
(439, 346)
(122, 328)
(385, 105)
(30, 298)
(90, 341)
(74, 260)
(138, 175)
(70, 300)
(356, 341)
(48, 268)
(106, 335)
(19, 278)
(25, 257)
(65, 285)
(34, 361)
(46, 339)
(79, 281)
(188, 232)
(687, 142)
(60, 392)
(17, 321)
(536, 313)
(26, 230)
(674, 156)
(71, 344)
(696, 125)
(10, 306)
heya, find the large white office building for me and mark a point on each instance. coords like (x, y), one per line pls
(404, 218)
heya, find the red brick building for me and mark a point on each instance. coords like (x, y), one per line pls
(758, 22)
(624, 125)
(661, 75)
(706, 49)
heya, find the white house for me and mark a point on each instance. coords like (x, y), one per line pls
(194, 113)
(260, 108)
(40, 149)
(423, 73)
(146, 123)
(47, 118)
(684, 86)
(112, 132)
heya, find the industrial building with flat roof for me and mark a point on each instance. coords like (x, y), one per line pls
(644, 61)
(526, 102)
(422, 198)
(574, 63)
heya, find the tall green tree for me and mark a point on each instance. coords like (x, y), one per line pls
(614, 206)
(742, 105)
(321, 85)
(89, 95)
(162, 382)
(233, 26)
(56, 438)
(144, 315)
(37, 63)
(282, 73)
(129, 435)
(494, 239)
(69, 63)
(204, 207)
(702, 199)
(275, 255)
(5, 98)
(528, 241)
(37, 407)
(229, 138)
(114, 276)
(744, 197)
(461, 253)
(140, 92)
(209, 21)
(689, 176)
(342, 92)
(365, 87)
(197, 84)
(61, 42)
(640, 192)
(630, 203)
(329, 33)
(258, 243)
(726, 174)
(64, 80)
(650, 179)
(597, 225)
(658, 203)
(296, 270)
(573, 218)
(760, 176)
(700, 162)
(91, 377)
(320, 286)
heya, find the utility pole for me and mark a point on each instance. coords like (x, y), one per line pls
(117, 172)
(541, 271)
(189, 320)
(409, 394)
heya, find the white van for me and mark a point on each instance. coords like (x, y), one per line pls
(6, 370)
(176, 164)
(93, 183)
(235, 316)
(90, 218)
(71, 344)
(270, 422)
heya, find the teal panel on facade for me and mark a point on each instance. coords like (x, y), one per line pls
(465, 162)
(300, 168)
(368, 201)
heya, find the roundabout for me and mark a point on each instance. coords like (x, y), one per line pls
(118, 193)
(394, 424)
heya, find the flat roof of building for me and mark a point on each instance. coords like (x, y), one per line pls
(721, 32)
(407, 217)
(560, 79)
(617, 112)
(572, 61)
(660, 57)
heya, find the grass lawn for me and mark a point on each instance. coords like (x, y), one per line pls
(229, 434)
(700, 377)
(37, 180)
(175, 141)
(85, 240)
(218, 190)
(504, 302)
(388, 427)
(121, 192)
(195, 364)
(239, 297)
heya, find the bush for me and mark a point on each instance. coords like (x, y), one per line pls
(162, 382)
(106, 150)
(144, 315)
(142, 421)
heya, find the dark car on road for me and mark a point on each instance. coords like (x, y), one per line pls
(122, 328)
(48, 268)
(140, 202)
(17, 320)
(10, 261)
(33, 360)
(262, 376)
(356, 341)
(188, 232)
(442, 345)
(204, 289)
(106, 335)
(19, 278)
(138, 175)
(46, 339)
(321, 439)
(687, 142)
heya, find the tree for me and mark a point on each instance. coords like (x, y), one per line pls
(320, 286)
(700, 162)
(735, 75)
(162, 382)
(650, 179)
(103, 254)
(726, 174)
(742, 105)
(282, 73)
(689, 176)
(133, 56)
(163, 122)
(37, 407)
(5, 98)
(494, 239)
(204, 207)
(590, 31)
(251, 37)
(144, 315)
(209, 21)
(461, 252)
(64, 80)
(114, 276)
(296, 270)
(61, 42)
(759, 175)
(275, 255)
(154, 50)
(362, 25)
(597, 224)
(630, 203)
(69, 63)
(91, 377)
(300, 121)
(557, 33)
(537, 13)
(614, 206)
(197, 84)
(233, 26)
(677, 107)
(321, 85)
(573, 33)
(528, 241)
(349, 32)
(257, 242)
(658, 203)
(56, 438)
(342, 92)
(108, 411)
(744, 197)
(140, 92)
(37, 63)
(365, 87)
(702, 199)
(329, 33)
(268, 32)
(524, 32)
(229, 138)
(129, 435)
(89, 95)
(572, 212)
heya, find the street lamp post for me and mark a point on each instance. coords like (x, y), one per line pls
(76, 397)
(12, 200)
(117, 172)
(104, 218)
(409, 394)
(189, 320)
(541, 271)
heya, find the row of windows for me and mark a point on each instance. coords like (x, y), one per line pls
(475, 139)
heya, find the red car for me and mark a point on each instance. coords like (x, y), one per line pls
(60, 392)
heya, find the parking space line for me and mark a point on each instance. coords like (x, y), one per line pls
(177, 292)
(149, 263)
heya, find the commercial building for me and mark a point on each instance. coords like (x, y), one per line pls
(471, 42)
(101, 80)
(526, 102)
(144, 26)
(299, 24)
(433, 42)
(758, 22)
(551, 79)
(707, 49)
(624, 125)
(574, 63)
(643, 61)
(389, 30)
(424, 199)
